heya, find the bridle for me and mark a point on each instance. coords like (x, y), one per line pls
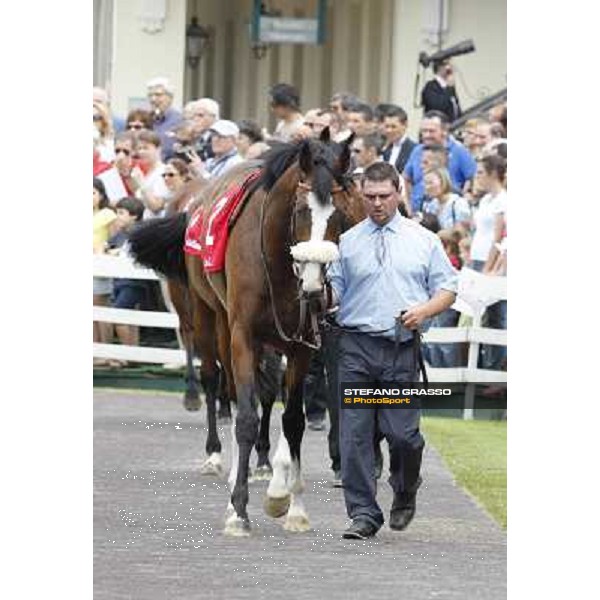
(314, 304)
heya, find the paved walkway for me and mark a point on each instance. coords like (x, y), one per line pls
(157, 524)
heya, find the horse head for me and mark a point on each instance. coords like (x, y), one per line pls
(327, 202)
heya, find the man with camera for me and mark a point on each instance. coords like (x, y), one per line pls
(392, 277)
(440, 92)
(224, 134)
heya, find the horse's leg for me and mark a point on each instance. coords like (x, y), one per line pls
(293, 429)
(209, 377)
(269, 381)
(181, 300)
(246, 426)
(226, 383)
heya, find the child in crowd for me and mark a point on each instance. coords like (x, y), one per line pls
(104, 219)
(127, 293)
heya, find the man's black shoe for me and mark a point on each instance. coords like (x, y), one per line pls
(404, 508)
(317, 424)
(360, 530)
(337, 479)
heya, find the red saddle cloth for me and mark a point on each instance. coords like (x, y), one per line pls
(207, 233)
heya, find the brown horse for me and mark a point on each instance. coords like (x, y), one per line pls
(183, 301)
(197, 326)
(278, 248)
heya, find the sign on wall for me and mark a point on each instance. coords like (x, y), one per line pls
(269, 28)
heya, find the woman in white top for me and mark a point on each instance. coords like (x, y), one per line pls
(489, 218)
(450, 208)
(147, 179)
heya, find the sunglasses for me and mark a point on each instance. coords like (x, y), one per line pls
(135, 126)
(97, 117)
(373, 197)
(165, 175)
(124, 151)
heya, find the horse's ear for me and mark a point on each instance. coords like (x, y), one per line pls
(325, 135)
(305, 158)
(346, 154)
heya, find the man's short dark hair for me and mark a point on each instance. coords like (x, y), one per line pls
(396, 111)
(347, 100)
(134, 206)
(382, 171)
(437, 114)
(251, 129)
(284, 94)
(381, 110)
(438, 64)
(364, 109)
(373, 140)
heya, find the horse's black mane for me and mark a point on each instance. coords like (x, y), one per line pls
(280, 157)
(277, 161)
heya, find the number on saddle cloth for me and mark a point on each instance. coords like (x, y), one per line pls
(207, 233)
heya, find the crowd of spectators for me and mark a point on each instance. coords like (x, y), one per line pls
(453, 182)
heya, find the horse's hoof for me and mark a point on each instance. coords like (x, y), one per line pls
(277, 507)
(224, 417)
(297, 523)
(212, 466)
(237, 527)
(262, 473)
(192, 403)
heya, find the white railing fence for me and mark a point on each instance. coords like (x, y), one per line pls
(476, 292)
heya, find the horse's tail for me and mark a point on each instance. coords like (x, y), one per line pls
(158, 244)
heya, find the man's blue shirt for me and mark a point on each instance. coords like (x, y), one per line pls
(163, 127)
(461, 166)
(371, 294)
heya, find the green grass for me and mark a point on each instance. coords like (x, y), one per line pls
(475, 452)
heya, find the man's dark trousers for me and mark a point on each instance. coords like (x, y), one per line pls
(370, 359)
(315, 391)
(331, 356)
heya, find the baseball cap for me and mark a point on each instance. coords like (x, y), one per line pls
(225, 128)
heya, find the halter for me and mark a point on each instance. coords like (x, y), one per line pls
(312, 305)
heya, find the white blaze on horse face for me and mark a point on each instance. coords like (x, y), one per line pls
(316, 251)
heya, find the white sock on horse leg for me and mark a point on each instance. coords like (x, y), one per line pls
(279, 485)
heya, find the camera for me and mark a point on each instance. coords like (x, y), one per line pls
(465, 47)
(182, 151)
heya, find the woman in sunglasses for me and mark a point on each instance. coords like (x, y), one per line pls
(103, 124)
(138, 119)
(175, 175)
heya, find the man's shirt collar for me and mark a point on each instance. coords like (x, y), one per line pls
(393, 225)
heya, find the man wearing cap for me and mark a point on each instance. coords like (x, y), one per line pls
(166, 118)
(222, 141)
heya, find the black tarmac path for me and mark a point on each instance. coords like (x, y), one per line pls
(158, 523)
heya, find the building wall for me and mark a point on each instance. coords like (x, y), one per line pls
(233, 76)
(139, 56)
(479, 74)
(371, 49)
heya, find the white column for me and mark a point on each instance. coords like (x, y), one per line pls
(139, 56)
(406, 44)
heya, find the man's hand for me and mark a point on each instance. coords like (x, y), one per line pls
(413, 318)
(196, 164)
